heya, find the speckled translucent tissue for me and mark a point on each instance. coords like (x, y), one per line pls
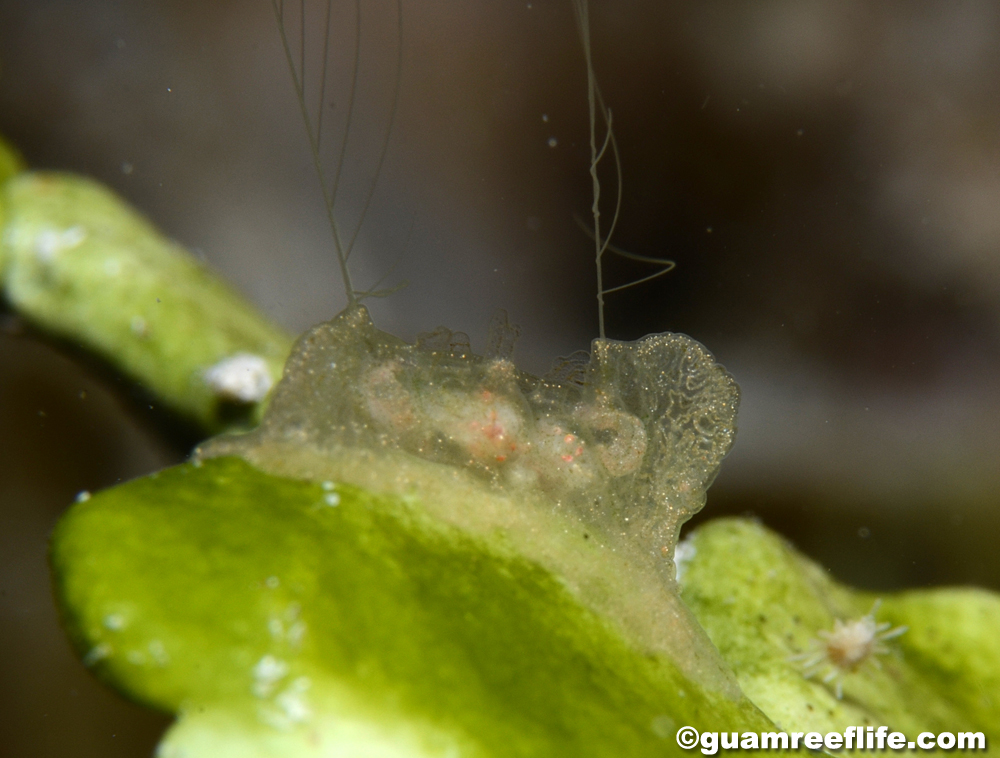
(589, 470)
(629, 440)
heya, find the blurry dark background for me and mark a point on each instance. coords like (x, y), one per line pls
(826, 175)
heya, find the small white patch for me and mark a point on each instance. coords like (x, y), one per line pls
(289, 707)
(328, 486)
(97, 653)
(82, 496)
(333, 499)
(293, 701)
(243, 377)
(74, 237)
(138, 326)
(270, 669)
(288, 629)
(683, 553)
(158, 652)
(50, 242)
(266, 675)
(114, 622)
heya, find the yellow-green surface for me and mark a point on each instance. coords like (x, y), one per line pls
(276, 623)
(282, 617)
(763, 603)
(82, 265)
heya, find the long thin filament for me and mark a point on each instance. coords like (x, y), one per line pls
(314, 131)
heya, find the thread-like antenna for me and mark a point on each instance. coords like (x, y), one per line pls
(596, 105)
(314, 128)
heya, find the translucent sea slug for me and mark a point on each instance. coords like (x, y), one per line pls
(615, 449)
(630, 448)
(618, 451)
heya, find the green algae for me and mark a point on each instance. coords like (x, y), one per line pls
(763, 603)
(276, 623)
(82, 265)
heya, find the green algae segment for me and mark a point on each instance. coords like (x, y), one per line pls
(763, 603)
(282, 617)
(82, 265)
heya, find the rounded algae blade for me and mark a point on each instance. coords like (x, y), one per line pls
(620, 450)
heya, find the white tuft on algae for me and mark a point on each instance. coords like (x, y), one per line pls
(243, 377)
(268, 672)
(138, 326)
(97, 653)
(158, 652)
(684, 553)
(50, 242)
(590, 471)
